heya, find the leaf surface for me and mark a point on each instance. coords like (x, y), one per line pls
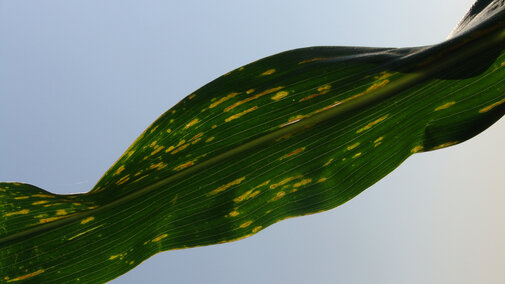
(295, 133)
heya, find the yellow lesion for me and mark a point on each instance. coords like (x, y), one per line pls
(26, 276)
(372, 124)
(445, 106)
(356, 155)
(21, 197)
(490, 107)
(266, 92)
(159, 238)
(123, 180)
(323, 179)
(226, 186)
(180, 148)
(284, 181)
(372, 88)
(268, 72)
(353, 146)
(223, 99)
(119, 256)
(85, 232)
(278, 196)
(50, 219)
(328, 163)
(247, 195)
(295, 152)
(246, 224)
(302, 182)
(238, 115)
(256, 229)
(447, 144)
(191, 123)
(119, 170)
(312, 60)
(157, 149)
(20, 212)
(321, 91)
(416, 149)
(87, 220)
(40, 202)
(233, 213)
(60, 212)
(249, 91)
(43, 195)
(210, 139)
(185, 165)
(279, 95)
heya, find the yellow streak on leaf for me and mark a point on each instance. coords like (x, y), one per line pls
(322, 179)
(297, 151)
(302, 182)
(82, 233)
(266, 92)
(20, 212)
(238, 115)
(60, 212)
(42, 195)
(312, 60)
(256, 229)
(372, 124)
(87, 220)
(447, 144)
(268, 72)
(26, 276)
(279, 95)
(119, 170)
(328, 163)
(183, 166)
(191, 123)
(40, 202)
(249, 91)
(444, 106)
(278, 196)
(356, 155)
(180, 149)
(196, 136)
(210, 139)
(233, 213)
(47, 220)
(417, 149)
(226, 186)
(159, 148)
(322, 90)
(169, 149)
(223, 99)
(123, 180)
(490, 107)
(159, 238)
(245, 224)
(284, 181)
(353, 146)
(169, 130)
(21, 197)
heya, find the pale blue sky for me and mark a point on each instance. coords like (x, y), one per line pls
(79, 81)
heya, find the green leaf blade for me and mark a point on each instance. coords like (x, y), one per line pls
(349, 117)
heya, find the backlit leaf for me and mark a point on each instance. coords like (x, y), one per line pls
(296, 133)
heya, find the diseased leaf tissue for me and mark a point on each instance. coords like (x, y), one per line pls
(295, 133)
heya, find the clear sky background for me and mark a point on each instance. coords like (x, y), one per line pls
(80, 80)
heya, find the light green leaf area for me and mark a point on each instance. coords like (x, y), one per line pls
(292, 134)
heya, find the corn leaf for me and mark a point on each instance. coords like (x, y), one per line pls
(292, 134)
